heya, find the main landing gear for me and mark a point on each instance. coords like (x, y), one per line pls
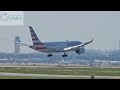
(64, 55)
(49, 55)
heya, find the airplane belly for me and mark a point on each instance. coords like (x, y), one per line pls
(50, 50)
(53, 50)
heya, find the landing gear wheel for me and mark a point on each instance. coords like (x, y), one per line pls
(65, 55)
(49, 55)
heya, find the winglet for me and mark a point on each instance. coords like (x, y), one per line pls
(88, 42)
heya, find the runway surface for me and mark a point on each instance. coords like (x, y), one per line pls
(45, 65)
(59, 76)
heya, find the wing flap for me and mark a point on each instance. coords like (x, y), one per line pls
(73, 47)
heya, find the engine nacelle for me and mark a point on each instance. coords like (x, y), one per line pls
(80, 51)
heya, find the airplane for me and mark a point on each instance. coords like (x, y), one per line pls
(56, 47)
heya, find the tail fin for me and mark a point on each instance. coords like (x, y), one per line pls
(35, 39)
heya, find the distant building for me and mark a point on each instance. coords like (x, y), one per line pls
(17, 44)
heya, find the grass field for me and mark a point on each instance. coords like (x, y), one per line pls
(64, 71)
(41, 77)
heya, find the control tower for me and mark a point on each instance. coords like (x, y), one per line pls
(17, 44)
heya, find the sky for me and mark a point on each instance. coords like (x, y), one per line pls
(102, 26)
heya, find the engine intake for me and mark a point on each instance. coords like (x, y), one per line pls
(80, 51)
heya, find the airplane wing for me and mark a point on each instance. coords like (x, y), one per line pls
(77, 46)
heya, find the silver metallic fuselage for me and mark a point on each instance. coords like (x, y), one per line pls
(52, 47)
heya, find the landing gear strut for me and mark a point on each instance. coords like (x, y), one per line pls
(64, 55)
(49, 55)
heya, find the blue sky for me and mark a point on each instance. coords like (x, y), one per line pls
(102, 26)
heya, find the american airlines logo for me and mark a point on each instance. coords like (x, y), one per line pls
(11, 18)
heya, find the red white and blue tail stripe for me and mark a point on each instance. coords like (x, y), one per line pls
(35, 40)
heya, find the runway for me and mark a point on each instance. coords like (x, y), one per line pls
(59, 76)
(45, 65)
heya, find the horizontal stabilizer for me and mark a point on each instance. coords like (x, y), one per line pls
(22, 44)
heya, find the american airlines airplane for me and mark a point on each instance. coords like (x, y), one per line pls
(54, 47)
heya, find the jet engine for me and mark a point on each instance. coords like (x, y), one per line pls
(80, 50)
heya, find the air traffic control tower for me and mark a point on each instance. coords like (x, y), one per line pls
(17, 44)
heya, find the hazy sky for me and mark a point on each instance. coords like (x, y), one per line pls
(102, 26)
